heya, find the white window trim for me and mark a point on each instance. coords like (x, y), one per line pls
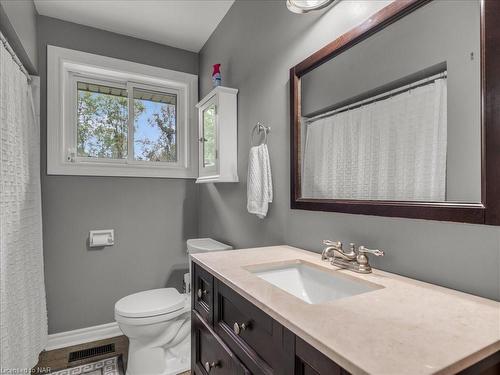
(63, 65)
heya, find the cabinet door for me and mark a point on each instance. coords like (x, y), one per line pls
(209, 354)
(209, 163)
(309, 361)
(202, 292)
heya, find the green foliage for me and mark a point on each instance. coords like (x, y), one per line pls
(164, 147)
(102, 125)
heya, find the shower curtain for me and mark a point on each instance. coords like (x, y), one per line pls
(393, 149)
(23, 316)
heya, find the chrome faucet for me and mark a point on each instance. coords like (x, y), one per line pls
(355, 259)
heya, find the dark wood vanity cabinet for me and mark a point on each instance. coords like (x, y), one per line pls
(230, 335)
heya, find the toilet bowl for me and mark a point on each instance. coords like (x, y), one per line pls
(158, 323)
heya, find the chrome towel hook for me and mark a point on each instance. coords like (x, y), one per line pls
(259, 128)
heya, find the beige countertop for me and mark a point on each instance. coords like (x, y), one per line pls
(405, 327)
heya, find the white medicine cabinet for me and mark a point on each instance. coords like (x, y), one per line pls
(218, 136)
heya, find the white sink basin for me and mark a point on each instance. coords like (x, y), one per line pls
(310, 283)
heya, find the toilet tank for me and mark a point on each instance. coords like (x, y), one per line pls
(201, 245)
(204, 245)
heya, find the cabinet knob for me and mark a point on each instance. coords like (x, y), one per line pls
(200, 293)
(209, 366)
(238, 328)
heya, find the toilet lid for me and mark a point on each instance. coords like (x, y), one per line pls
(150, 303)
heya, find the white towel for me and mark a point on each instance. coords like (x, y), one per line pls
(259, 181)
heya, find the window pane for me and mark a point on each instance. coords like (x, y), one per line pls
(209, 136)
(102, 121)
(155, 128)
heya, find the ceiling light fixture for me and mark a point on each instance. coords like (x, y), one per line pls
(306, 6)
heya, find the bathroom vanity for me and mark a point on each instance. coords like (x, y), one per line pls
(281, 310)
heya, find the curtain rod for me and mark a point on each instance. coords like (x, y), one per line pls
(379, 97)
(14, 56)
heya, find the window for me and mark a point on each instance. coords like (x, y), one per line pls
(111, 117)
(101, 121)
(155, 121)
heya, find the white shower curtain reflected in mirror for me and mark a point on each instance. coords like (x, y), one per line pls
(23, 316)
(392, 149)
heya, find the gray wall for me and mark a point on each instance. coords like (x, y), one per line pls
(152, 218)
(257, 42)
(426, 38)
(18, 23)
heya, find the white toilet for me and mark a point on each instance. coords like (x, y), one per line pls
(158, 323)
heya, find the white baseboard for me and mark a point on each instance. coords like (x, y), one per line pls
(83, 335)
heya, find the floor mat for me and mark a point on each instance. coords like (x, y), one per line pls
(109, 366)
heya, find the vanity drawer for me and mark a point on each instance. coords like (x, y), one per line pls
(209, 354)
(256, 338)
(202, 293)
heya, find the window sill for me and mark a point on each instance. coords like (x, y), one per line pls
(216, 178)
(120, 170)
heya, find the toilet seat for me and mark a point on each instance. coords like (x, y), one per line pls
(151, 319)
(151, 306)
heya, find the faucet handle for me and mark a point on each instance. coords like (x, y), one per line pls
(332, 243)
(364, 250)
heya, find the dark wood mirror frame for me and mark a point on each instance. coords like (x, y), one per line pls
(486, 212)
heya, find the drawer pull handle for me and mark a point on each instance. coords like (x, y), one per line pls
(209, 366)
(238, 328)
(201, 293)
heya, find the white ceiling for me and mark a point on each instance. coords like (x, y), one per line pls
(185, 24)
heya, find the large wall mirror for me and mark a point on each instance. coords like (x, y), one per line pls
(394, 118)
